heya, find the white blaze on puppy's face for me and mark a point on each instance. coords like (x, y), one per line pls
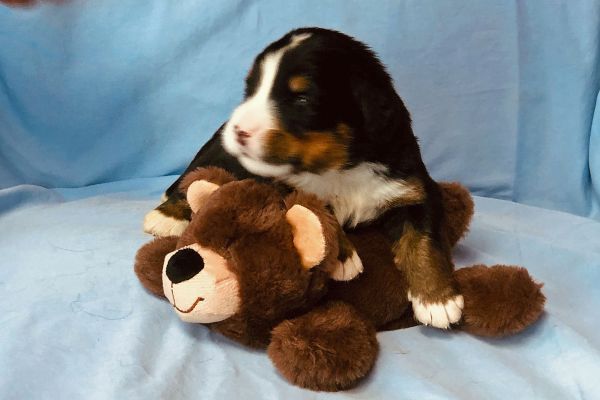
(244, 134)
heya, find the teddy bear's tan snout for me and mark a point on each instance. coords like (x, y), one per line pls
(199, 284)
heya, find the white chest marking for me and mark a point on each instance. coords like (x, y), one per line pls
(357, 195)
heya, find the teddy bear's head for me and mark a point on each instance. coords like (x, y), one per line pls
(250, 255)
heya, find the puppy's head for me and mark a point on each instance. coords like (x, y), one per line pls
(315, 100)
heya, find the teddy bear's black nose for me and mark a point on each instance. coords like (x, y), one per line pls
(184, 265)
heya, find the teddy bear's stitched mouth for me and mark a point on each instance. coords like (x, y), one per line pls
(190, 308)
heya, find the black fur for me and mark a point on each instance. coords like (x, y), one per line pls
(349, 85)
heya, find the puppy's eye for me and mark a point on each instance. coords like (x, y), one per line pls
(302, 99)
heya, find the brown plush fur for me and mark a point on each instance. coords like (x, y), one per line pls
(320, 334)
(458, 211)
(500, 300)
(380, 291)
(149, 263)
(211, 174)
(330, 348)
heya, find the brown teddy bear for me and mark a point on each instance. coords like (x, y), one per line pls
(258, 266)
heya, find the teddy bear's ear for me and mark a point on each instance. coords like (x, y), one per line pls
(197, 193)
(198, 184)
(309, 238)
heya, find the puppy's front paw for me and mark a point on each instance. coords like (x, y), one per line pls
(438, 314)
(158, 224)
(348, 269)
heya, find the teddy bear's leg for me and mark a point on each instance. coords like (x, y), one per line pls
(499, 300)
(149, 263)
(458, 209)
(330, 348)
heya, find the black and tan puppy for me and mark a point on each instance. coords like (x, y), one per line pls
(320, 114)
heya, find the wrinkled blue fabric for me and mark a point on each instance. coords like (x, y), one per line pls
(503, 94)
(76, 323)
(102, 102)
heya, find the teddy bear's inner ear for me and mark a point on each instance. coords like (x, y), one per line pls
(198, 192)
(309, 239)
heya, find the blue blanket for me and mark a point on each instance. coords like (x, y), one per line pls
(102, 102)
(76, 323)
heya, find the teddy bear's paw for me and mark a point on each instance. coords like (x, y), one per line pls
(438, 314)
(331, 348)
(158, 224)
(348, 269)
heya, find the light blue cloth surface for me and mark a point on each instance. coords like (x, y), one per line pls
(76, 323)
(117, 93)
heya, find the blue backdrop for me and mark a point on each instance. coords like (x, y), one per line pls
(503, 94)
(100, 99)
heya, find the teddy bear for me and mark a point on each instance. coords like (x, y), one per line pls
(259, 265)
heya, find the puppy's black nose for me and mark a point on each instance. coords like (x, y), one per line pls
(184, 265)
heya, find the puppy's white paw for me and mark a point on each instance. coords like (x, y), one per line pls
(158, 224)
(438, 315)
(348, 269)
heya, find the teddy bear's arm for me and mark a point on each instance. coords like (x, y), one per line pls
(149, 263)
(330, 348)
(458, 210)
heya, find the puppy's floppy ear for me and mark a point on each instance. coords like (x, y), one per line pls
(201, 182)
(313, 229)
(383, 112)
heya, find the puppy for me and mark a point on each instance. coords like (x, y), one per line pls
(320, 114)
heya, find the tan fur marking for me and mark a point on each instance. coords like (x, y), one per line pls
(323, 148)
(425, 267)
(316, 151)
(281, 146)
(298, 83)
(175, 208)
(414, 195)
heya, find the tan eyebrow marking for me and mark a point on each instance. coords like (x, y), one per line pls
(298, 83)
